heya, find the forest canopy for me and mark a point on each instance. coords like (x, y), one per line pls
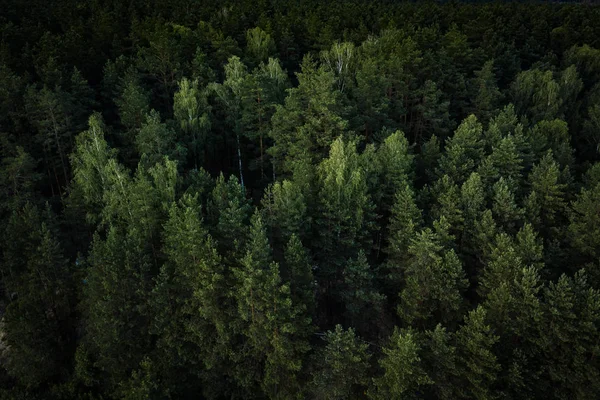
(287, 200)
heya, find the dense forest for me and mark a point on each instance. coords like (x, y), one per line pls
(267, 199)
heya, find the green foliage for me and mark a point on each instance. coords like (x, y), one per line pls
(341, 367)
(359, 294)
(405, 221)
(310, 120)
(228, 212)
(276, 338)
(345, 207)
(463, 151)
(434, 281)
(584, 224)
(260, 45)
(477, 365)
(403, 375)
(424, 175)
(155, 140)
(487, 94)
(190, 108)
(37, 325)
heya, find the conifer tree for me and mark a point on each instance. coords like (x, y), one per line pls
(545, 203)
(504, 206)
(155, 139)
(486, 91)
(133, 102)
(403, 376)
(228, 213)
(446, 203)
(310, 120)
(439, 361)
(276, 340)
(90, 162)
(477, 365)
(463, 151)
(341, 367)
(189, 302)
(584, 221)
(405, 221)
(345, 208)
(298, 272)
(37, 326)
(191, 109)
(395, 166)
(569, 336)
(285, 212)
(362, 300)
(434, 281)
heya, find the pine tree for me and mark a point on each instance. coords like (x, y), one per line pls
(189, 303)
(155, 139)
(515, 312)
(464, 151)
(447, 198)
(569, 336)
(276, 339)
(486, 93)
(545, 203)
(191, 110)
(298, 272)
(228, 213)
(431, 112)
(439, 360)
(472, 199)
(395, 168)
(309, 122)
(529, 247)
(90, 162)
(38, 324)
(341, 367)
(361, 298)
(505, 161)
(434, 280)
(133, 102)
(477, 366)
(345, 208)
(584, 216)
(502, 267)
(285, 212)
(115, 307)
(403, 376)
(405, 221)
(504, 207)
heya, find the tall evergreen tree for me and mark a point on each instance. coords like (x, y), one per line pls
(340, 370)
(345, 208)
(477, 365)
(274, 339)
(403, 375)
(38, 325)
(434, 281)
